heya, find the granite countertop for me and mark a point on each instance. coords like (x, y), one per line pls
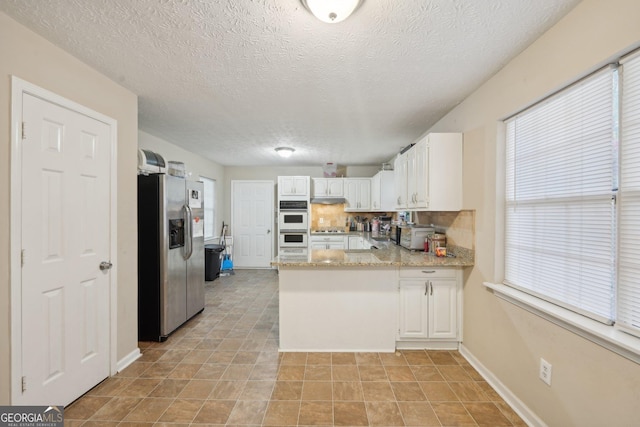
(387, 256)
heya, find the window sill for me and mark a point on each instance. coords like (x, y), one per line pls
(608, 337)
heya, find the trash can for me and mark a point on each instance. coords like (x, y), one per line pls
(212, 261)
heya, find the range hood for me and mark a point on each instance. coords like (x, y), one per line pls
(328, 200)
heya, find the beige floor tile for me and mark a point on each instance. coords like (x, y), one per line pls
(368, 359)
(85, 407)
(384, 414)
(110, 387)
(378, 391)
(210, 371)
(173, 356)
(140, 387)
(407, 391)
(248, 412)
(468, 391)
(400, 373)
(345, 373)
(282, 413)
(343, 359)
(116, 409)
(151, 355)
(294, 359)
(221, 357)
(427, 373)
(418, 414)
(347, 391)
(257, 390)
(350, 414)
(149, 410)
(135, 369)
(184, 371)
(438, 392)
(197, 356)
(489, 391)
(182, 411)
(475, 376)
(452, 414)
(392, 359)
(169, 388)
(418, 357)
(454, 373)
(245, 358)
(487, 414)
(227, 390)
(198, 389)
(372, 373)
(318, 358)
(291, 373)
(509, 413)
(317, 373)
(315, 413)
(317, 390)
(440, 357)
(264, 372)
(287, 390)
(237, 372)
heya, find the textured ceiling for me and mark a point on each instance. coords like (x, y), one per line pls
(233, 79)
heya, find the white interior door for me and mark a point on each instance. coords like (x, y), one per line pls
(252, 223)
(65, 236)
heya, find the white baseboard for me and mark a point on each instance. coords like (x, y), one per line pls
(128, 359)
(527, 415)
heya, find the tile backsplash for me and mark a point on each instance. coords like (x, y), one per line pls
(459, 226)
(334, 216)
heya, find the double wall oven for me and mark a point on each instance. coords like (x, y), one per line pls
(293, 227)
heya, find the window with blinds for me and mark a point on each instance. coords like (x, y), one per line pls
(209, 207)
(629, 198)
(560, 218)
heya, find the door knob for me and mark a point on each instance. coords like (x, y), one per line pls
(105, 265)
(268, 231)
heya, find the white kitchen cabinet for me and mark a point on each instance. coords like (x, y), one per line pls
(328, 187)
(382, 191)
(400, 182)
(357, 192)
(358, 242)
(293, 186)
(430, 308)
(328, 242)
(433, 170)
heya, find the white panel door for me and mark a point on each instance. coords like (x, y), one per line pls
(413, 309)
(443, 305)
(65, 236)
(252, 211)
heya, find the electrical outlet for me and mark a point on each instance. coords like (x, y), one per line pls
(321, 220)
(545, 371)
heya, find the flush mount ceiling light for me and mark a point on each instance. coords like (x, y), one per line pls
(331, 11)
(285, 151)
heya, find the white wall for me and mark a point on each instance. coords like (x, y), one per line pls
(195, 165)
(591, 386)
(32, 58)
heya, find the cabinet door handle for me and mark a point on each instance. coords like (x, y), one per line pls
(426, 287)
(428, 271)
(430, 288)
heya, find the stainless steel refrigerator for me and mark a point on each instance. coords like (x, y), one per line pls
(170, 254)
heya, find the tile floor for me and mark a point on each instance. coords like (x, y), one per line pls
(223, 369)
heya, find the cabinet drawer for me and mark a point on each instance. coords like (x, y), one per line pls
(327, 239)
(428, 272)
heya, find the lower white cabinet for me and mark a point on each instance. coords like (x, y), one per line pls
(328, 242)
(430, 308)
(358, 242)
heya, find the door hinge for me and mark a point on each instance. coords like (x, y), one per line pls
(22, 256)
(23, 130)
(24, 384)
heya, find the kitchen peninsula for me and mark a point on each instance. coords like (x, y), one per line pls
(370, 300)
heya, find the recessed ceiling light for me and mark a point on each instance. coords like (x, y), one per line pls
(285, 151)
(331, 11)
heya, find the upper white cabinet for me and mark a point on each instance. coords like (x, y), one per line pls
(328, 187)
(382, 191)
(357, 192)
(429, 175)
(293, 186)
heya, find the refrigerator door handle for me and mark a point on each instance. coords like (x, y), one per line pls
(188, 247)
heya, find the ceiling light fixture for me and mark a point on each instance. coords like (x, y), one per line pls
(331, 11)
(285, 151)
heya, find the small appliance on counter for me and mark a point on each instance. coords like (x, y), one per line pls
(412, 236)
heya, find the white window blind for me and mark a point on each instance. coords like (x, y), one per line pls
(560, 217)
(629, 198)
(209, 207)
